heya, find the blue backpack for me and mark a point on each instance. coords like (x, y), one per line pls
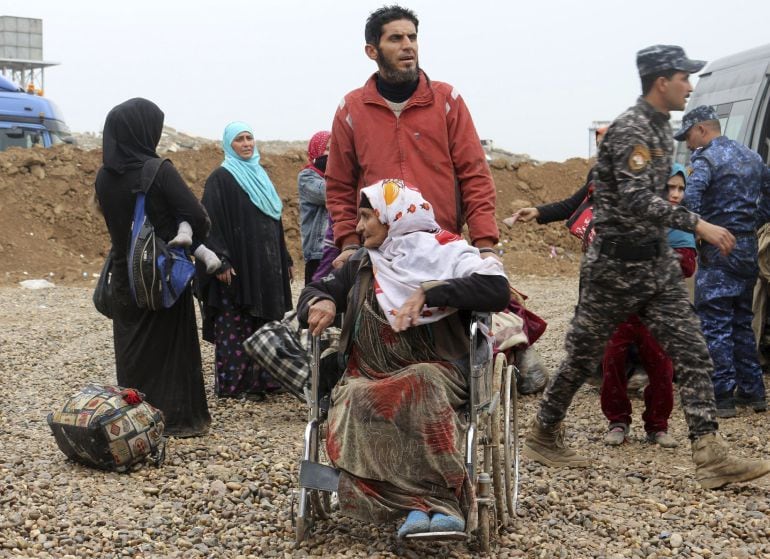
(157, 273)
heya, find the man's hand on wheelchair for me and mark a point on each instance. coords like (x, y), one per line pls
(320, 315)
(410, 311)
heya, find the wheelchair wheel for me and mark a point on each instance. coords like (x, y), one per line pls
(485, 528)
(495, 423)
(301, 529)
(326, 502)
(303, 519)
(318, 506)
(511, 440)
(321, 504)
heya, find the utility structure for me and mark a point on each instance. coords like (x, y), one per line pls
(596, 124)
(21, 52)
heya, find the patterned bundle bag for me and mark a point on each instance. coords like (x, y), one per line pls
(109, 427)
(276, 347)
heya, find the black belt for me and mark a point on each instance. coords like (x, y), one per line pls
(631, 252)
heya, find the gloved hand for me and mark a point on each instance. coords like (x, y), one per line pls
(183, 236)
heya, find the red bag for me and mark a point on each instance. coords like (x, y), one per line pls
(534, 326)
(581, 222)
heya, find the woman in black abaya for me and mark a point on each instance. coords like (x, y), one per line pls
(156, 352)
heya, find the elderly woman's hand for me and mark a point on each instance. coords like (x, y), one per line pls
(320, 315)
(410, 311)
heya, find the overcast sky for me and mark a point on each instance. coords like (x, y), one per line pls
(535, 74)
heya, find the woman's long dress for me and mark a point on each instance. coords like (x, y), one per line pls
(394, 430)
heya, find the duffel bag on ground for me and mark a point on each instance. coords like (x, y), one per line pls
(109, 427)
(276, 347)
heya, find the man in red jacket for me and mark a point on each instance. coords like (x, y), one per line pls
(401, 124)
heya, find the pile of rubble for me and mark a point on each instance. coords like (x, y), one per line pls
(171, 141)
(514, 159)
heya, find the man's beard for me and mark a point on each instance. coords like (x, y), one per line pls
(392, 74)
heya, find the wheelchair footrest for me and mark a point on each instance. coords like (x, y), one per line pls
(437, 536)
(313, 475)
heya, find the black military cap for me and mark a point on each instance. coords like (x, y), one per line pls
(702, 113)
(659, 58)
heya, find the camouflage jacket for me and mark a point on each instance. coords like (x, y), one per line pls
(634, 163)
(729, 185)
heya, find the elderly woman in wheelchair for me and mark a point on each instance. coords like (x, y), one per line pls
(394, 432)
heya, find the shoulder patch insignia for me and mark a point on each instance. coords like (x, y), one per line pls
(639, 158)
(689, 170)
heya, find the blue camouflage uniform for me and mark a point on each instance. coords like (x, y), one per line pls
(729, 185)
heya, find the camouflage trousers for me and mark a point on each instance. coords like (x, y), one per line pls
(610, 291)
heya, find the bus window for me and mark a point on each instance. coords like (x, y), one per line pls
(763, 122)
(19, 137)
(734, 124)
(60, 138)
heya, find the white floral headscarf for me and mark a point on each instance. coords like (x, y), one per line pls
(416, 249)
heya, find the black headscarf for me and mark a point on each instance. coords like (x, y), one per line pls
(132, 131)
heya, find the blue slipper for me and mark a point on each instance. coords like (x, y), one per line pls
(416, 521)
(443, 523)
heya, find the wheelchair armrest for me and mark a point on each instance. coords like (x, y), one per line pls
(480, 362)
(481, 316)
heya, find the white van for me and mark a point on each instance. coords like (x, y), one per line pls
(738, 87)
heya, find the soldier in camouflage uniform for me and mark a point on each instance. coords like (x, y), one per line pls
(729, 185)
(630, 269)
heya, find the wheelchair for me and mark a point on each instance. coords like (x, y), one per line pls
(491, 447)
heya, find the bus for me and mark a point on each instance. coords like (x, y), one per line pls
(29, 119)
(738, 87)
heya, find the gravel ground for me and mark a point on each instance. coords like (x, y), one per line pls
(228, 494)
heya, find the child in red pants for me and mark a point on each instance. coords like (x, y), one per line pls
(659, 393)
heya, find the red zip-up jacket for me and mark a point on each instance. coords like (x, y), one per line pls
(433, 145)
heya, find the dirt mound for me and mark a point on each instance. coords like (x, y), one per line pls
(49, 228)
(531, 248)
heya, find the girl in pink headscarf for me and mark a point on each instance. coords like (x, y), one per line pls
(314, 219)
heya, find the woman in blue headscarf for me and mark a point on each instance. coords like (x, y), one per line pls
(252, 286)
(681, 241)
